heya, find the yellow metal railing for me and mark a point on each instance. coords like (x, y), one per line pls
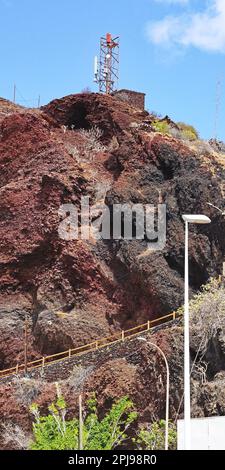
(93, 346)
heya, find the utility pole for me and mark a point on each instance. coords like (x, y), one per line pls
(223, 275)
(217, 109)
(39, 101)
(160, 197)
(14, 93)
(188, 219)
(25, 343)
(80, 444)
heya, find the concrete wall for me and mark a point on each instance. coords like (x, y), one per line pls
(206, 433)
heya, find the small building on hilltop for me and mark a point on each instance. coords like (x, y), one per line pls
(134, 98)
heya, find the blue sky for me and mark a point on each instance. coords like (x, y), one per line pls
(173, 50)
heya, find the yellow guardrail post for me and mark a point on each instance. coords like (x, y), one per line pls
(122, 335)
(17, 368)
(96, 344)
(43, 361)
(69, 353)
(174, 315)
(149, 324)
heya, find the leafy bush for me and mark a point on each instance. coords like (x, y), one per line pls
(188, 132)
(153, 438)
(182, 131)
(161, 126)
(54, 432)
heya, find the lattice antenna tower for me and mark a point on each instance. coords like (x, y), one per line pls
(106, 70)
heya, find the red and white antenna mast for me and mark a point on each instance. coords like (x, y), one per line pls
(107, 71)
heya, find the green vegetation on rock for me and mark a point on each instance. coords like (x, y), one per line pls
(153, 438)
(182, 131)
(188, 132)
(54, 432)
(161, 126)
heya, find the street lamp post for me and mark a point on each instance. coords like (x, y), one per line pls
(188, 219)
(167, 389)
(25, 344)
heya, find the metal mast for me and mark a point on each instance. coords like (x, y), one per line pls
(218, 104)
(107, 73)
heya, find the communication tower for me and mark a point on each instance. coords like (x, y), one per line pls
(106, 70)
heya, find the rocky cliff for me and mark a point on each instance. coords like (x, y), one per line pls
(132, 368)
(51, 157)
(93, 145)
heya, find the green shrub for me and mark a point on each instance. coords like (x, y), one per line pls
(153, 438)
(188, 131)
(161, 126)
(54, 432)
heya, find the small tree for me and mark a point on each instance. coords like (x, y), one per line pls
(54, 432)
(153, 438)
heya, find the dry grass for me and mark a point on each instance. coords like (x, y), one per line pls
(207, 312)
(14, 436)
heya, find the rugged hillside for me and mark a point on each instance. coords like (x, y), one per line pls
(130, 368)
(47, 159)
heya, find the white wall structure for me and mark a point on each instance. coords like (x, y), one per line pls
(206, 433)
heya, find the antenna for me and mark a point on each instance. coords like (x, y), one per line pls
(218, 103)
(14, 93)
(107, 72)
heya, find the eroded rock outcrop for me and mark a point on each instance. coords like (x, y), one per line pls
(102, 286)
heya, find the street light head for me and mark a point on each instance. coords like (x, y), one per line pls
(196, 219)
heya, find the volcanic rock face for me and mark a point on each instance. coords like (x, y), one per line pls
(46, 160)
(132, 368)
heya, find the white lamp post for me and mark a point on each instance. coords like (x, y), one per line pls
(188, 219)
(167, 389)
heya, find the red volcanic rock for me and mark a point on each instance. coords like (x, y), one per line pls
(46, 160)
(86, 110)
(7, 108)
(133, 368)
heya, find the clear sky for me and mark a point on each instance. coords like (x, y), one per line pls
(173, 50)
